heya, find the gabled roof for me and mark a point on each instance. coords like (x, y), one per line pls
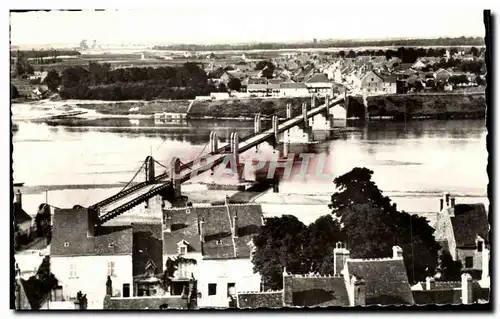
(318, 78)
(317, 291)
(69, 236)
(386, 280)
(217, 230)
(20, 216)
(470, 221)
(184, 227)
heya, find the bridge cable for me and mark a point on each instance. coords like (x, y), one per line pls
(135, 175)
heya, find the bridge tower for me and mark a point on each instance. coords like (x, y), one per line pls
(235, 141)
(214, 142)
(257, 124)
(275, 130)
(304, 114)
(313, 101)
(288, 110)
(150, 169)
(175, 169)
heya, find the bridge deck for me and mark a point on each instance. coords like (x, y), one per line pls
(144, 191)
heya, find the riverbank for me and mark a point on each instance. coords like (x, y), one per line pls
(421, 105)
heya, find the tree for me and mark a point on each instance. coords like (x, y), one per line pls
(474, 51)
(372, 224)
(53, 80)
(267, 68)
(234, 84)
(278, 246)
(448, 269)
(342, 54)
(222, 87)
(319, 242)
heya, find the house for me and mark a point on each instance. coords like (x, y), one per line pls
(371, 82)
(293, 89)
(308, 290)
(466, 291)
(389, 86)
(385, 278)
(22, 221)
(442, 75)
(319, 84)
(84, 257)
(304, 73)
(214, 245)
(463, 230)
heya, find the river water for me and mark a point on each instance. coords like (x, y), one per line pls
(84, 161)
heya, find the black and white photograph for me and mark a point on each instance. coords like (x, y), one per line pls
(202, 156)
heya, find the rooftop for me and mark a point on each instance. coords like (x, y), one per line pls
(69, 236)
(470, 221)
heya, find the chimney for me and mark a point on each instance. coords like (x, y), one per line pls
(397, 252)
(202, 236)
(235, 225)
(447, 199)
(430, 283)
(441, 204)
(452, 202)
(359, 291)
(466, 289)
(485, 274)
(19, 198)
(340, 255)
(91, 222)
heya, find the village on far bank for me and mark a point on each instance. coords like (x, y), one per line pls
(184, 255)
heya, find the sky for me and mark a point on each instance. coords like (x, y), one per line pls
(214, 22)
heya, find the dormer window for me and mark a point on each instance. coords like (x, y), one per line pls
(188, 211)
(66, 244)
(111, 245)
(218, 242)
(182, 247)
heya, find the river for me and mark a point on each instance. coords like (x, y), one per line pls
(84, 161)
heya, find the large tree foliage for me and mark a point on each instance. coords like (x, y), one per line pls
(285, 242)
(372, 224)
(53, 80)
(279, 245)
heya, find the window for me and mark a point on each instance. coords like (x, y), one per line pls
(182, 270)
(72, 271)
(218, 242)
(469, 262)
(111, 269)
(212, 289)
(66, 244)
(480, 246)
(182, 250)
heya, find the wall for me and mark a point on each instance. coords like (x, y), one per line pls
(152, 303)
(478, 257)
(444, 231)
(222, 272)
(434, 105)
(254, 300)
(246, 108)
(189, 268)
(92, 273)
(315, 291)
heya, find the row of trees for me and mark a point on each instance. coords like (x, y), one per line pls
(98, 81)
(365, 220)
(465, 41)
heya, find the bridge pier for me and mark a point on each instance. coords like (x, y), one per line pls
(275, 129)
(214, 142)
(304, 114)
(289, 110)
(175, 169)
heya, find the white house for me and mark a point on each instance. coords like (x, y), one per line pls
(83, 256)
(293, 89)
(319, 84)
(215, 244)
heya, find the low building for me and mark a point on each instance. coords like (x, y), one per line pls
(386, 278)
(84, 257)
(463, 230)
(319, 84)
(434, 292)
(213, 244)
(442, 75)
(293, 89)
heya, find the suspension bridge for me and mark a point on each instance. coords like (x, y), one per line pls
(168, 183)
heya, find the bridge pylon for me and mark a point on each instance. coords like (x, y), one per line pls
(214, 142)
(175, 169)
(257, 124)
(150, 169)
(289, 110)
